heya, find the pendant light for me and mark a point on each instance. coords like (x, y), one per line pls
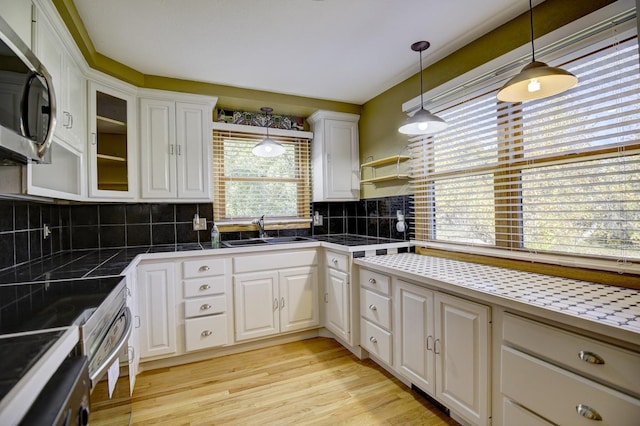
(536, 80)
(268, 147)
(422, 122)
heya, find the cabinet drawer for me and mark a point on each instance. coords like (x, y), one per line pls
(374, 281)
(556, 394)
(513, 414)
(339, 261)
(621, 367)
(203, 268)
(274, 261)
(375, 308)
(205, 306)
(203, 287)
(205, 332)
(375, 340)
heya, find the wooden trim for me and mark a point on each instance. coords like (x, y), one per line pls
(601, 277)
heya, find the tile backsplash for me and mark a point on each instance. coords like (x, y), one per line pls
(91, 226)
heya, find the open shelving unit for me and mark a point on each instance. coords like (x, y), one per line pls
(387, 161)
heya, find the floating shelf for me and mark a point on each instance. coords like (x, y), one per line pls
(387, 161)
(104, 157)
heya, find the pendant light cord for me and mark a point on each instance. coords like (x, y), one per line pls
(533, 50)
(421, 101)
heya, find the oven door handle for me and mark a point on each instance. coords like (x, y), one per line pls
(104, 366)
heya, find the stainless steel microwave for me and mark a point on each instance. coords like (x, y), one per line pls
(27, 103)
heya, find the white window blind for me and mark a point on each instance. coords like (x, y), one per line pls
(555, 175)
(247, 186)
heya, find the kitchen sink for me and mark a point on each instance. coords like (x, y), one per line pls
(264, 241)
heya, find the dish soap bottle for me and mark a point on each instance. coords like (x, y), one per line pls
(215, 236)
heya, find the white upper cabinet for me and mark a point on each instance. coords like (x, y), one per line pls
(69, 83)
(175, 139)
(335, 156)
(112, 143)
(17, 13)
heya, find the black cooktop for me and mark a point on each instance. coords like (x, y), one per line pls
(355, 240)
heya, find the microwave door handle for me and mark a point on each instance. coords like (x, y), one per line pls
(124, 338)
(42, 150)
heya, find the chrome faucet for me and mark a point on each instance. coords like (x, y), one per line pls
(260, 222)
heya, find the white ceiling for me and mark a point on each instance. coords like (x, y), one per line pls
(341, 50)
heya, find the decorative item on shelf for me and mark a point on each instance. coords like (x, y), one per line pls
(537, 80)
(268, 147)
(247, 118)
(422, 122)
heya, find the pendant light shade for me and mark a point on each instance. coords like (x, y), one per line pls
(267, 147)
(422, 122)
(536, 80)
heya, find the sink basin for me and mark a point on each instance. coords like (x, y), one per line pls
(264, 241)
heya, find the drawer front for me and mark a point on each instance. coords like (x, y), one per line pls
(205, 332)
(335, 260)
(375, 281)
(513, 414)
(272, 261)
(375, 340)
(376, 308)
(203, 287)
(205, 306)
(621, 367)
(203, 268)
(556, 394)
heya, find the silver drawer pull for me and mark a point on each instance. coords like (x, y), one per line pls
(429, 348)
(373, 339)
(590, 357)
(372, 280)
(205, 307)
(204, 287)
(373, 307)
(334, 260)
(435, 347)
(588, 412)
(203, 268)
(206, 333)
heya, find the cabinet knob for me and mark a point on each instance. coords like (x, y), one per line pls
(203, 268)
(205, 307)
(334, 260)
(204, 287)
(588, 412)
(373, 339)
(206, 333)
(373, 307)
(590, 357)
(372, 280)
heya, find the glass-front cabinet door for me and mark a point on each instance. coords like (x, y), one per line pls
(112, 133)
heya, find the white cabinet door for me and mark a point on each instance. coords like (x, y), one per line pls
(256, 305)
(134, 339)
(337, 304)
(462, 357)
(158, 148)
(194, 161)
(17, 13)
(156, 298)
(299, 299)
(335, 156)
(415, 331)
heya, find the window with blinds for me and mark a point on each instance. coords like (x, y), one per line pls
(555, 175)
(247, 186)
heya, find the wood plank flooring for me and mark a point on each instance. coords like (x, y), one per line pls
(311, 382)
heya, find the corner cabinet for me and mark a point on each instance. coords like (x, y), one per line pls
(112, 143)
(335, 156)
(175, 144)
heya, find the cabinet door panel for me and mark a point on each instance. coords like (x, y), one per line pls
(299, 299)
(337, 304)
(256, 305)
(157, 136)
(462, 378)
(415, 330)
(193, 150)
(157, 309)
(341, 181)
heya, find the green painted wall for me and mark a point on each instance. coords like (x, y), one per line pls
(382, 115)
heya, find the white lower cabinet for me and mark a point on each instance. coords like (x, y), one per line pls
(337, 297)
(570, 378)
(157, 304)
(442, 346)
(272, 302)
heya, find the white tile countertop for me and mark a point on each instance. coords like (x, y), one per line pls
(601, 308)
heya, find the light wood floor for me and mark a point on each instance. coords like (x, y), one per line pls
(311, 382)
